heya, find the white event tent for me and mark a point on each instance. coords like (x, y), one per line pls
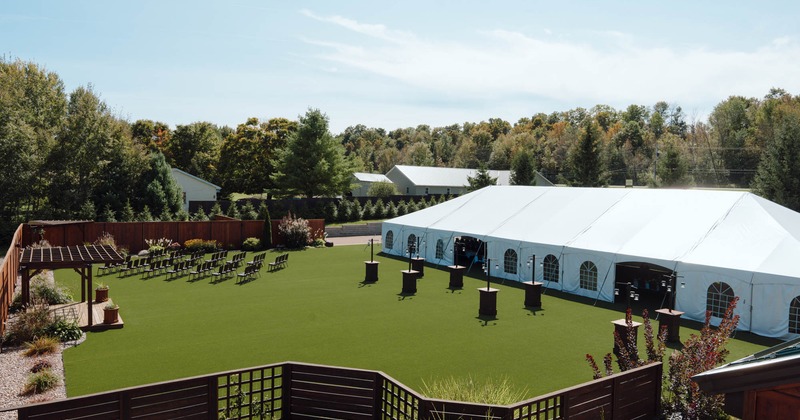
(718, 243)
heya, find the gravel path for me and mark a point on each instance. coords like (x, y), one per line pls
(14, 371)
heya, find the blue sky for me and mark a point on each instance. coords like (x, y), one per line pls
(400, 64)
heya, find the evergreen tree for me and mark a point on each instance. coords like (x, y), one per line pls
(357, 210)
(672, 168)
(166, 214)
(313, 161)
(233, 211)
(522, 172)
(87, 211)
(585, 159)
(127, 214)
(481, 179)
(368, 213)
(262, 210)
(182, 216)
(200, 215)
(145, 215)
(331, 213)
(345, 210)
(160, 188)
(107, 215)
(266, 240)
(401, 208)
(379, 209)
(391, 210)
(778, 176)
(248, 211)
(215, 210)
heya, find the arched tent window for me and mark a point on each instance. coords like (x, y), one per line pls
(439, 249)
(389, 240)
(719, 297)
(510, 261)
(412, 243)
(794, 316)
(550, 268)
(588, 276)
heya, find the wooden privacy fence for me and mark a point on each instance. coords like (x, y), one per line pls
(132, 235)
(304, 391)
(8, 276)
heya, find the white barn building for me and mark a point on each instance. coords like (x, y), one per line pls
(362, 181)
(425, 180)
(194, 188)
(589, 241)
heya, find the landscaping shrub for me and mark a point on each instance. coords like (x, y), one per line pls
(41, 345)
(368, 213)
(251, 244)
(158, 244)
(41, 381)
(194, 245)
(295, 231)
(233, 211)
(40, 365)
(401, 208)
(379, 209)
(345, 210)
(411, 207)
(64, 330)
(106, 238)
(30, 324)
(200, 215)
(50, 293)
(215, 210)
(331, 213)
(357, 210)
(487, 391)
(391, 210)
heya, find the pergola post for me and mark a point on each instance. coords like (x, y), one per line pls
(26, 286)
(89, 301)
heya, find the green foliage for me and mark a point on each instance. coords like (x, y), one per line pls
(29, 325)
(313, 162)
(166, 214)
(233, 211)
(331, 212)
(194, 148)
(145, 215)
(522, 172)
(490, 390)
(251, 244)
(200, 215)
(368, 211)
(481, 179)
(391, 210)
(107, 215)
(295, 231)
(356, 214)
(379, 209)
(345, 211)
(401, 208)
(248, 212)
(382, 189)
(585, 160)
(40, 382)
(215, 210)
(778, 177)
(411, 206)
(87, 211)
(127, 214)
(50, 294)
(672, 167)
(64, 330)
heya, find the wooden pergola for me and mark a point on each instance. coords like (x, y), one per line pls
(80, 258)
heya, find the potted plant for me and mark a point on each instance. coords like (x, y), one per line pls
(110, 313)
(101, 293)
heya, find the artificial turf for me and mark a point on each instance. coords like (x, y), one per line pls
(317, 310)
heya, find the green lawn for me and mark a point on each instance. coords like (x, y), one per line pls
(317, 311)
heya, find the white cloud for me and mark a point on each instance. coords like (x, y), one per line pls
(610, 67)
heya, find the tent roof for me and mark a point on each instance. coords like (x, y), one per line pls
(730, 229)
(445, 177)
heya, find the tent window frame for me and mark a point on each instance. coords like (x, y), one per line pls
(412, 243)
(588, 276)
(510, 261)
(389, 239)
(794, 316)
(550, 268)
(439, 249)
(718, 298)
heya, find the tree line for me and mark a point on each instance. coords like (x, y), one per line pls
(69, 156)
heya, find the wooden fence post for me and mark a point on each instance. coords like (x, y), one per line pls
(286, 391)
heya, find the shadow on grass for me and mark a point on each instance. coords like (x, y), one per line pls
(487, 320)
(405, 296)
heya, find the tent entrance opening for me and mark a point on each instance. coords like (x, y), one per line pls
(470, 252)
(645, 279)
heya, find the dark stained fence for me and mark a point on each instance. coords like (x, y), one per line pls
(305, 391)
(132, 235)
(8, 277)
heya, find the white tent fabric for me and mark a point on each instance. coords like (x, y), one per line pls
(738, 238)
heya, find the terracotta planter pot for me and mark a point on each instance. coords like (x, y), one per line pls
(100, 295)
(110, 316)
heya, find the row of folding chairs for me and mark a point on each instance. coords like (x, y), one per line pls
(202, 270)
(224, 271)
(258, 259)
(218, 256)
(280, 262)
(250, 272)
(238, 258)
(111, 267)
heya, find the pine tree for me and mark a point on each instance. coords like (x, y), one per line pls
(585, 160)
(145, 215)
(778, 176)
(215, 210)
(200, 215)
(127, 214)
(108, 214)
(248, 211)
(522, 169)
(233, 211)
(481, 179)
